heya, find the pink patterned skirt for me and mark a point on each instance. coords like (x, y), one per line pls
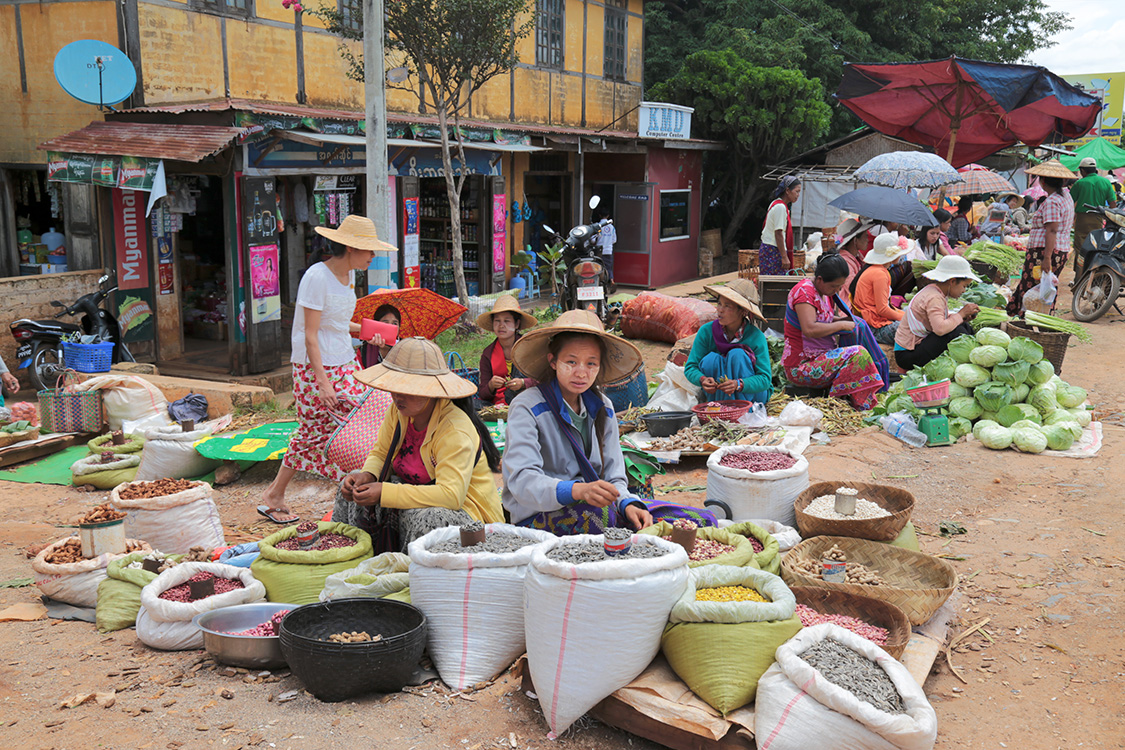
(316, 425)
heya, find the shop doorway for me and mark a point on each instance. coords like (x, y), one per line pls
(37, 206)
(548, 198)
(201, 246)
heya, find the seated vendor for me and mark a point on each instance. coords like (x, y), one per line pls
(432, 464)
(564, 471)
(730, 358)
(871, 287)
(928, 327)
(499, 381)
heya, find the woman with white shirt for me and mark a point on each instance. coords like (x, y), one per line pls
(324, 362)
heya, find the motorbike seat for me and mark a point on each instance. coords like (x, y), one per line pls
(51, 325)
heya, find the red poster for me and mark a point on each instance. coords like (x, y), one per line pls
(131, 244)
(166, 279)
(413, 278)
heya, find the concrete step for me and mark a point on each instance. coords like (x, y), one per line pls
(222, 397)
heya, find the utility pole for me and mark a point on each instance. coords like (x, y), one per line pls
(375, 111)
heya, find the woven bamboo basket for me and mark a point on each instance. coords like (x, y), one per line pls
(899, 503)
(916, 583)
(11, 438)
(1054, 343)
(869, 609)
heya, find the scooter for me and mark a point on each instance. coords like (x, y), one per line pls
(1102, 258)
(40, 341)
(586, 282)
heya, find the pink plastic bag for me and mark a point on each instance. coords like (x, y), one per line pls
(658, 317)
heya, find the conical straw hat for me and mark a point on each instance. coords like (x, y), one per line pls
(358, 232)
(416, 367)
(506, 303)
(740, 292)
(1052, 168)
(529, 354)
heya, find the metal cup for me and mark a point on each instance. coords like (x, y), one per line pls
(845, 504)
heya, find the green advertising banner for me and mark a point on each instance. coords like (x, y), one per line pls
(128, 172)
(137, 173)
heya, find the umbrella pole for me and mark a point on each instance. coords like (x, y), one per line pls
(948, 158)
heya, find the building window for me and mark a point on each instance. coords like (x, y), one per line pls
(675, 211)
(351, 14)
(616, 32)
(549, 33)
(234, 8)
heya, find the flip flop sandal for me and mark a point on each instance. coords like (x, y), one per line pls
(275, 516)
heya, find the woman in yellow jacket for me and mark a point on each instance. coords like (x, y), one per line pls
(432, 464)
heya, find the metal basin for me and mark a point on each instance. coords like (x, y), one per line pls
(252, 652)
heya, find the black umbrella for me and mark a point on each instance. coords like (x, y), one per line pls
(886, 204)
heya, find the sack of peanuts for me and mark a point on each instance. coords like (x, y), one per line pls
(574, 607)
(723, 631)
(62, 573)
(294, 563)
(713, 546)
(472, 598)
(169, 603)
(757, 481)
(384, 575)
(170, 453)
(172, 515)
(119, 593)
(807, 699)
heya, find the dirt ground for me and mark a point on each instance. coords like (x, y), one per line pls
(1042, 561)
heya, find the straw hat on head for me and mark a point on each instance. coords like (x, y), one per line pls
(850, 228)
(886, 249)
(357, 232)
(740, 292)
(416, 367)
(529, 354)
(1052, 168)
(951, 267)
(1008, 194)
(506, 303)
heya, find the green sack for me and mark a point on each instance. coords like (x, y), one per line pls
(721, 649)
(119, 593)
(907, 538)
(769, 559)
(104, 444)
(373, 578)
(296, 577)
(400, 596)
(89, 470)
(743, 551)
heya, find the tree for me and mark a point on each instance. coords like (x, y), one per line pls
(761, 114)
(450, 49)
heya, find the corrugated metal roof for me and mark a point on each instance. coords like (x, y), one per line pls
(192, 143)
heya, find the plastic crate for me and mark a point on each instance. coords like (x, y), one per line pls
(88, 357)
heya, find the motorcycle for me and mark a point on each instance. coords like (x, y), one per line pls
(586, 281)
(40, 342)
(1102, 259)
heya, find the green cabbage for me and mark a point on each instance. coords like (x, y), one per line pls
(995, 437)
(959, 427)
(1023, 348)
(966, 407)
(913, 379)
(989, 416)
(993, 396)
(1029, 440)
(988, 355)
(1043, 399)
(1020, 393)
(1022, 424)
(1040, 372)
(1070, 396)
(1059, 438)
(1013, 413)
(1074, 428)
(970, 376)
(994, 337)
(940, 368)
(982, 424)
(900, 402)
(1081, 416)
(960, 347)
(957, 390)
(1012, 373)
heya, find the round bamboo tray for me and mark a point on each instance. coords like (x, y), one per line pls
(899, 503)
(867, 608)
(916, 583)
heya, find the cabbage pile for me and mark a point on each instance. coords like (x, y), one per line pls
(1003, 391)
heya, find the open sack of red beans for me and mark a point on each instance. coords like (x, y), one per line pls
(169, 603)
(294, 563)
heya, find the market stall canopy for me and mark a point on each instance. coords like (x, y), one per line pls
(966, 109)
(886, 204)
(1105, 153)
(977, 180)
(907, 169)
(175, 142)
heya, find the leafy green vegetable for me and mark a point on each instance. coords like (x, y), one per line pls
(956, 390)
(1023, 348)
(959, 427)
(994, 337)
(988, 355)
(1081, 415)
(960, 347)
(1024, 423)
(940, 368)
(1029, 440)
(1012, 373)
(1059, 438)
(985, 295)
(1043, 399)
(970, 376)
(989, 416)
(1013, 413)
(995, 437)
(1020, 392)
(1040, 372)
(1070, 396)
(982, 424)
(993, 396)
(965, 407)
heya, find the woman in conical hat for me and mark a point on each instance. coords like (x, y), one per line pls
(730, 358)
(500, 381)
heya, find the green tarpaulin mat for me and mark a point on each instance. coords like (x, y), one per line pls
(55, 469)
(265, 442)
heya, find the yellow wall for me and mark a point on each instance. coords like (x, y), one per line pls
(181, 55)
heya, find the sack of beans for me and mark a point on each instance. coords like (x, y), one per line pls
(170, 454)
(757, 481)
(104, 444)
(713, 546)
(62, 573)
(384, 575)
(593, 622)
(294, 563)
(472, 598)
(831, 689)
(119, 593)
(173, 515)
(169, 603)
(767, 554)
(104, 472)
(723, 631)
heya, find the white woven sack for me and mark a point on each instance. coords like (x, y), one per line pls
(592, 628)
(170, 453)
(173, 523)
(763, 494)
(797, 709)
(167, 625)
(473, 604)
(391, 571)
(75, 583)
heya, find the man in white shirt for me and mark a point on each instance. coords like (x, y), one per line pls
(606, 240)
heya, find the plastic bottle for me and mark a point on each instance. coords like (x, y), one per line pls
(902, 427)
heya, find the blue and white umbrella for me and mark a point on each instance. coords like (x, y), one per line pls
(908, 169)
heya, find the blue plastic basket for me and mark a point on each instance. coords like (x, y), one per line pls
(88, 357)
(628, 391)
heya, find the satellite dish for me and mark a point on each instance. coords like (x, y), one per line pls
(95, 72)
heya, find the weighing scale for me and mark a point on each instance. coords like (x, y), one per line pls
(930, 399)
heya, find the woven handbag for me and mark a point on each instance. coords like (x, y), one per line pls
(471, 374)
(353, 440)
(63, 410)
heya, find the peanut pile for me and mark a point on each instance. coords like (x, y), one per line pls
(165, 562)
(856, 573)
(354, 637)
(198, 554)
(101, 514)
(157, 488)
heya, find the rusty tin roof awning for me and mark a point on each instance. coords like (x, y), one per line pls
(189, 143)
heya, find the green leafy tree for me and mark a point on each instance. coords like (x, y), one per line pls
(762, 115)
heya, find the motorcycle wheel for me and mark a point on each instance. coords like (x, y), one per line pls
(1094, 294)
(45, 366)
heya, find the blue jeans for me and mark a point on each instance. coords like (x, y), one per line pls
(886, 334)
(734, 366)
(607, 261)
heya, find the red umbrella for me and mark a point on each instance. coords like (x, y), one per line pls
(966, 109)
(424, 312)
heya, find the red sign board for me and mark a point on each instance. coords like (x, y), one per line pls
(131, 243)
